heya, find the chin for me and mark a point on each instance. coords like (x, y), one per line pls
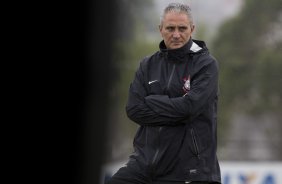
(175, 46)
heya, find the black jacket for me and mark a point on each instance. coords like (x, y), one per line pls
(174, 100)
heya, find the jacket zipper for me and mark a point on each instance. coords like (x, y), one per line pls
(160, 128)
(158, 149)
(195, 143)
(170, 77)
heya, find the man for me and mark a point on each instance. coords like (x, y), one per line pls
(174, 100)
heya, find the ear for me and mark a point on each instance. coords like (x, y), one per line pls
(161, 30)
(160, 27)
(192, 28)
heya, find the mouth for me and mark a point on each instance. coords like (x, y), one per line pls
(176, 43)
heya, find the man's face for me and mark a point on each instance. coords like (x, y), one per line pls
(175, 29)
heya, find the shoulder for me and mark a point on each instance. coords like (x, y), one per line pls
(204, 62)
(150, 59)
(207, 59)
(204, 58)
(201, 54)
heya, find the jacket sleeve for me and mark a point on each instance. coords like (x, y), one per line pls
(139, 111)
(203, 89)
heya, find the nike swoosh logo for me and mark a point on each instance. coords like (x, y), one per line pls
(150, 82)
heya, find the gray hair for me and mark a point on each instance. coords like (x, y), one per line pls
(179, 8)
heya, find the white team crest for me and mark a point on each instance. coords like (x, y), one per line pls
(186, 86)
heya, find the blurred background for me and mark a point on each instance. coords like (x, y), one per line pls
(245, 36)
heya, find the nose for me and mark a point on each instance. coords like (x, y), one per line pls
(176, 34)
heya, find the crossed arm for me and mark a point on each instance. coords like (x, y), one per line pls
(160, 109)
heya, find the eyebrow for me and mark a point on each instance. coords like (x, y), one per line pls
(181, 26)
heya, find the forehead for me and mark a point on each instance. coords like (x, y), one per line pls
(175, 18)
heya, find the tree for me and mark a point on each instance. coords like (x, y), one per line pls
(129, 49)
(248, 48)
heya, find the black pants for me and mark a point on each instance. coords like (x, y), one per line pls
(115, 181)
(163, 182)
(125, 176)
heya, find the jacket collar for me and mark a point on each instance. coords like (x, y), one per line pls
(180, 54)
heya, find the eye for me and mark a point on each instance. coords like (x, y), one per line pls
(182, 28)
(170, 28)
